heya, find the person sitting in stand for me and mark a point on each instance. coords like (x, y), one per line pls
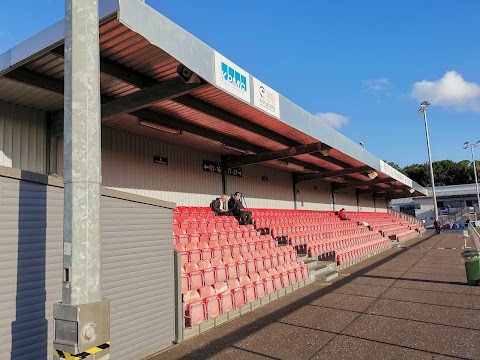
(364, 223)
(219, 206)
(236, 207)
(341, 214)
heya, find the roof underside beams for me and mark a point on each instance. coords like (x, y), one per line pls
(140, 83)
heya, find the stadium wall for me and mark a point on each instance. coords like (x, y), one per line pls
(22, 138)
(127, 165)
(314, 195)
(137, 267)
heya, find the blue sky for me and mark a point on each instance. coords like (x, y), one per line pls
(362, 66)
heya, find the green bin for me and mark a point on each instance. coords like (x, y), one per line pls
(472, 266)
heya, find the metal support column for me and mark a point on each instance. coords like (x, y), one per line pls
(82, 319)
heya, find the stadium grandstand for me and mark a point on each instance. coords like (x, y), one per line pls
(181, 124)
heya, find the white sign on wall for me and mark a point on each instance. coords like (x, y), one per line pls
(232, 78)
(265, 98)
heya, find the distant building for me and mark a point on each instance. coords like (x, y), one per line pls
(450, 200)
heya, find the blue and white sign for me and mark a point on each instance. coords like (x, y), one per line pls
(265, 98)
(232, 78)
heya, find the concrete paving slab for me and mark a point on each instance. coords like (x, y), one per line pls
(320, 318)
(283, 341)
(352, 348)
(437, 339)
(432, 314)
(361, 289)
(349, 302)
(455, 300)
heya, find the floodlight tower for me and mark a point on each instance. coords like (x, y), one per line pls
(423, 110)
(473, 146)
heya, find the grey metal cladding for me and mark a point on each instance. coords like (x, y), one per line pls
(137, 271)
(137, 276)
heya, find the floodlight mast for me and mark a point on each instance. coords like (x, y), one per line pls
(423, 110)
(473, 146)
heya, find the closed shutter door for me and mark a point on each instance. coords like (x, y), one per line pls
(137, 277)
(31, 233)
(137, 272)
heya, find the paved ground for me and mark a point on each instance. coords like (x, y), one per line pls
(407, 303)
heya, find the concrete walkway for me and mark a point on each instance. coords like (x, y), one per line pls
(410, 302)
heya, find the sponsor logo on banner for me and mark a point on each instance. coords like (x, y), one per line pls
(232, 78)
(265, 98)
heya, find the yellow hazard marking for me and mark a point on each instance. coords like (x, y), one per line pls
(82, 355)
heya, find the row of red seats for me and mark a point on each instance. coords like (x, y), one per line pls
(211, 301)
(218, 222)
(289, 213)
(287, 229)
(304, 239)
(194, 252)
(350, 253)
(184, 236)
(319, 248)
(207, 272)
(265, 222)
(302, 236)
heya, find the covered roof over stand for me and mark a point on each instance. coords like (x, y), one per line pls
(159, 81)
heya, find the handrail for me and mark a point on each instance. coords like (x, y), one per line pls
(406, 217)
(475, 236)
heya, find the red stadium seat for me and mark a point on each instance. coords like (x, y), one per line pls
(194, 308)
(183, 253)
(237, 291)
(248, 288)
(205, 250)
(227, 302)
(211, 301)
(267, 279)
(208, 272)
(220, 270)
(259, 285)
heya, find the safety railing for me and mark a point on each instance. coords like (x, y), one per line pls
(406, 217)
(475, 236)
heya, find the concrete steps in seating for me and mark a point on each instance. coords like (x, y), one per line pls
(321, 270)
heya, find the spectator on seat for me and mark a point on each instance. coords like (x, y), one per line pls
(341, 214)
(219, 206)
(236, 207)
(364, 223)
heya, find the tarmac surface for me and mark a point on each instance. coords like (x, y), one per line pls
(410, 302)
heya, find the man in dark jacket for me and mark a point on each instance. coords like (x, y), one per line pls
(236, 207)
(219, 206)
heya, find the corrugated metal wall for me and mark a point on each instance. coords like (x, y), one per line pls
(346, 198)
(127, 162)
(366, 203)
(30, 267)
(314, 195)
(22, 138)
(276, 193)
(137, 277)
(137, 271)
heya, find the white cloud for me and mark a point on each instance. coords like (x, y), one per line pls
(332, 119)
(379, 85)
(450, 90)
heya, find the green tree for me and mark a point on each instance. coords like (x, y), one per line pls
(446, 172)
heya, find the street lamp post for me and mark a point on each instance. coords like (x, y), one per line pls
(473, 146)
(423, 110)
